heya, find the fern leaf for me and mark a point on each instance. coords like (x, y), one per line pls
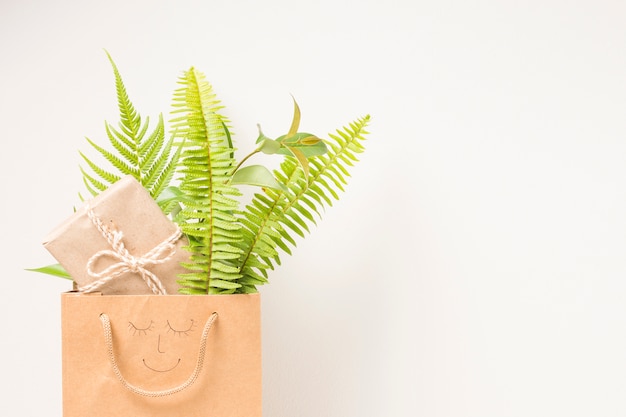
(109, 177)
(206, 160)
(149, 158)
(93, 185)
(268, 219)
(150, 149)
(118, 162)
(130, 121)
(120, 143)
(166, 173)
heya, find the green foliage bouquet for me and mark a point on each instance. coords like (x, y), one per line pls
(194, 177)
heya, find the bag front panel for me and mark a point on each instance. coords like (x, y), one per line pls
(156, 346)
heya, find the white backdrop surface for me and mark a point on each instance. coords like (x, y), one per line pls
(474, 267)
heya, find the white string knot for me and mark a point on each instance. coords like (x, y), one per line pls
(126, 262)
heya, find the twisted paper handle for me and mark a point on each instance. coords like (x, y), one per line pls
(126, 261)
(108, 338)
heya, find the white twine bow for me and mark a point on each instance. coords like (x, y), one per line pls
(126, 261)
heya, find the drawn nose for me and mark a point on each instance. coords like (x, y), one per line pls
(159, 345)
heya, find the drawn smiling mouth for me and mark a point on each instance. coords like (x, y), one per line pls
(160, 370)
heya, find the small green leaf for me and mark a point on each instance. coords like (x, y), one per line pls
(295, 123)
(309, 144)
(269, 146)
(229, 139)
(304, 163)
(262, 136)
(310, 140)
(170, 195)
(256, 175)
(54, 269)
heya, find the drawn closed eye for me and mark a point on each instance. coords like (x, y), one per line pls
(180, 332)
(139, 330)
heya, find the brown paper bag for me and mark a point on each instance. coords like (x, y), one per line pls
(163, 356)
(149, 249)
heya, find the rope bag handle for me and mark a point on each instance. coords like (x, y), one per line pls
(108, 338)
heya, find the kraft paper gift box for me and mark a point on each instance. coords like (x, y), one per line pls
(120, 243)
(161, 356)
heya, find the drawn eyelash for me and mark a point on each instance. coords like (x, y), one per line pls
(140, 331)
(179, 332)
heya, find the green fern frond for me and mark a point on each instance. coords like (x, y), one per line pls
(272, 218)
(107, 176)
(206, 164)
(149, 158)
(93, 185)
(118, 162)
(163, 170)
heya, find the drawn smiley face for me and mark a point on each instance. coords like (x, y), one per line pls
(162, 342)
(147, 352)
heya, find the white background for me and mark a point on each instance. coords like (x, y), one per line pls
(474, 267)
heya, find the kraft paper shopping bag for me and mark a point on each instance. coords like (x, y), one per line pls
(161, 356)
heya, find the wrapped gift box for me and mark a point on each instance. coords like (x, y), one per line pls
(120, 242)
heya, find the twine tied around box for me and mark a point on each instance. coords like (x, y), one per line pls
(126, 261)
